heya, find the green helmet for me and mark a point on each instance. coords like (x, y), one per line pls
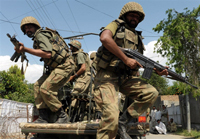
(92, 55)
(75, 44)
(28, 20)
(132, 7)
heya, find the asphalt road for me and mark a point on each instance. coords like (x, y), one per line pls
(167, 136)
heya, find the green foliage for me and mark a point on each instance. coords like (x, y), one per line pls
(159, 82)
(180, 42)
(183, 132)
(13, 86)
(179, 88)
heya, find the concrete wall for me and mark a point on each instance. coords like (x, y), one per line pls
(11, 114)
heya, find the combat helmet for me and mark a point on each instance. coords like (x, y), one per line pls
(28, 20)
(92, 55)
(75, 44)
(132, 7)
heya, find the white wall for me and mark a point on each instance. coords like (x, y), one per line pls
(11, 114)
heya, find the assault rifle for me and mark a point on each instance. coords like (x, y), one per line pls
(149, 65)
(16, 55)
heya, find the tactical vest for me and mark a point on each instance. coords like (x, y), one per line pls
(87, 61)
(60, 50)
(124, 38)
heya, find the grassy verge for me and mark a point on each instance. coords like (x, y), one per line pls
(183, 132)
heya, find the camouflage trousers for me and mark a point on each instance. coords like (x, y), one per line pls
(171, 127)
(82, 85)
(106, 95)
(47, 86)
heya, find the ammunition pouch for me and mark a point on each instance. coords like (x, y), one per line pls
(60, 50)
(103, 58)
(59, 56)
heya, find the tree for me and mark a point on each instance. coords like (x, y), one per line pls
(159, 82)
(13, 86)
(180, 42)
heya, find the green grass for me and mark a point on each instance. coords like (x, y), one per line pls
(184, 132)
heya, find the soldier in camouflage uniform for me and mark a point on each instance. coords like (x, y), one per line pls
(113, 74)
(82, 75)
(171, 127)
(58, 64)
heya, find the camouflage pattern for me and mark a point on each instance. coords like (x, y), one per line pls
(92, 55)
(106, 96)
(29, 20)
(75, 44)
(121, 101)
(171, 127)
(46, 87)
(132, 7)
(82, 83)
(59, 50)
(148, 115)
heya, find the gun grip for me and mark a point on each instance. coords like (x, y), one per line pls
(13, 56)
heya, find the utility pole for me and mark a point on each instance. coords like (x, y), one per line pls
(188, 113)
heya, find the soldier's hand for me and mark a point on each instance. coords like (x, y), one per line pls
(20, 49)
(163, 72)
(71, 78)
(132, 63)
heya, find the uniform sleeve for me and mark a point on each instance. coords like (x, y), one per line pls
(81, 58)
(43, 42)
(112, 27)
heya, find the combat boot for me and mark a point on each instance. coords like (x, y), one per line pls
(43, 116)
(123, 120)
(61, 116)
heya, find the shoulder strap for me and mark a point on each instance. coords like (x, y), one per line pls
(120, 24)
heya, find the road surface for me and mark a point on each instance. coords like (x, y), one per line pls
(167, 136)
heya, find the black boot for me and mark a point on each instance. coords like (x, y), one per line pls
(62, 117)
(43, 116)
(123, 120)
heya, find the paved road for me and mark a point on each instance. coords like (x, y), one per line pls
(168, 136)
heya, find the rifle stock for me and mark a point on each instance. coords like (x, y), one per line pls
(149, 65)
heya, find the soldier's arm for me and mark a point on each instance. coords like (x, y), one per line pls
(109, 43)
(36, 52)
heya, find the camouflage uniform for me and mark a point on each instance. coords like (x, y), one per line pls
(171, 127)
(148, 115)
(60, 67)
(108, 82)
(82, 82)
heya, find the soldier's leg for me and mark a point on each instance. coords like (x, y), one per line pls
(106, 97)
(82, 84)
(144, 95)
(49, 89)
(39, 102)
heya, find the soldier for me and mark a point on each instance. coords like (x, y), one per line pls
(58, 68)
(82, 70)
(82, 75)
(94, 72)
(164, 115)
(171, 127)
(113, 74)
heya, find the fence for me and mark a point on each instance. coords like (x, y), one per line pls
(11, 114)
